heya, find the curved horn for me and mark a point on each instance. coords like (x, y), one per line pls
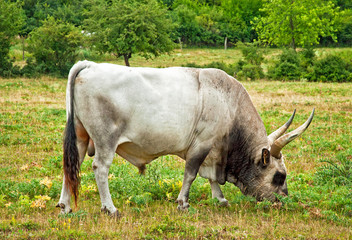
(288, 137)
(275, 135)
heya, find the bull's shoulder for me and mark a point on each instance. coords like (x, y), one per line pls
(220, 80)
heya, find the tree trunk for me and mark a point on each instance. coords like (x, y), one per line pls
(225, 43)
(293, 41)
(127, 57)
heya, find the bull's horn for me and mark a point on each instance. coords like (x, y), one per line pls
(275, 135)
(288, 137)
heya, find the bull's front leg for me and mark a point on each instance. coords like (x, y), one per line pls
(217, 193)
(191, 169)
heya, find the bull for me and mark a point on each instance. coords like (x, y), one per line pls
(204, 116)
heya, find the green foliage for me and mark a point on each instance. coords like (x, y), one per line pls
(250, 67)
(307, 66)
(287, 67)
(228, 68)
(307, 57)
(337, 171)
(344, 23)
(241, 13)
(296, 23)
(129, 27)
(160, 182)
(203, 23)
(54, 46)
(38, 11)
(331, 68)
(11, 21)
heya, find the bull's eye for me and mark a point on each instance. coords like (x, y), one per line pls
(279, 178)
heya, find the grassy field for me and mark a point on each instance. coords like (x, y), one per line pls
(32, 120)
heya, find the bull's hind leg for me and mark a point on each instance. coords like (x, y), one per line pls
(217, 193)
(193, 162)
(101, 164)
(82, 144)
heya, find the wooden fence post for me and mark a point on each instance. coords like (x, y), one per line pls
(179, 40)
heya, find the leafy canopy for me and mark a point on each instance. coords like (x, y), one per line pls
(11, 22)
(55, 46)
(125, 27)
(296, 22)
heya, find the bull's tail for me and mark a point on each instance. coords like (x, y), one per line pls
(71, 163)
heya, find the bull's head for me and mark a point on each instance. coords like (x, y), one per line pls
(268, 175)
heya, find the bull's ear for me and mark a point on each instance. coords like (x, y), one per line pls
(265, 157)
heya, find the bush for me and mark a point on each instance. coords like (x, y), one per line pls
(293, 66)
(331, 68)
(11, 21)
(5, 60)
(54, 46)
(250, 67)
(307, 57)
(228, 68)
(250, 71)
(288, 66)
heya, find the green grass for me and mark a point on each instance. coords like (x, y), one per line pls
(32, 120)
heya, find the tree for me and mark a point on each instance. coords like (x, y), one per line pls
(344, 34)
(239, 15)
(54, 46)
(126, 27)
(11, 21)
(296, 22)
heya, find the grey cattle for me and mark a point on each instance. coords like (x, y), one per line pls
(204, 116)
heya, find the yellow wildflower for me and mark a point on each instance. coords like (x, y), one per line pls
(25, 167)
(47, 182)
(40, 202)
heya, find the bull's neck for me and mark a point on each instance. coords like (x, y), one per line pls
(247, 138)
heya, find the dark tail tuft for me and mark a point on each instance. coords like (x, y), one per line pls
(71, 158)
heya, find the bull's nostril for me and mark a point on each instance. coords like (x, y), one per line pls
(279, 178)
(285, 192)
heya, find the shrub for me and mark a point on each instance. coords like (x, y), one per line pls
(228, 68)
(331, 68)
(287, 70)
(250, 71)
(11, 21)
(54, 46)
(250, 67)
(288, 66)
(307, 57)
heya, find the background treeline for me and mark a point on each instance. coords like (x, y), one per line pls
(198, 22)
(51, 33)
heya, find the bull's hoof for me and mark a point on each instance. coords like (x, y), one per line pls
(115, 214)
(182, 206)
(224, 203)
(63, 208)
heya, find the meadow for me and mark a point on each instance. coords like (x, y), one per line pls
(319, 163)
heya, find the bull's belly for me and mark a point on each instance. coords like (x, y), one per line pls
(139, 156)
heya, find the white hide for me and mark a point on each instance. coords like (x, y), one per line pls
(160, 108)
